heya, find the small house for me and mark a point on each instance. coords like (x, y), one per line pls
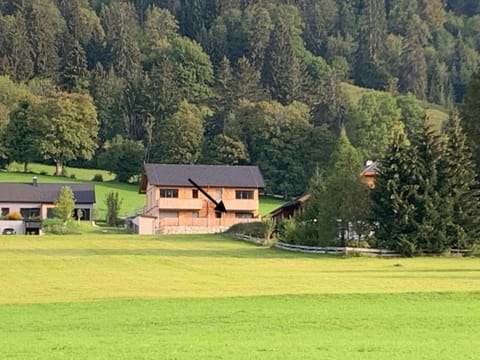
(36, 200)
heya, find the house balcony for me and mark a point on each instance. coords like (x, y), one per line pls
(241, 205)
(179, 204)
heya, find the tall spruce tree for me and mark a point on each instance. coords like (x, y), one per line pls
(282, 69)
(459, 189)
(394, 196)
(413, 72)
(346, 198)
(431, 233)
(470, 116)
(372, 39)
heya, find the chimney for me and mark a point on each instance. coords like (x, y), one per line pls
(35, 181)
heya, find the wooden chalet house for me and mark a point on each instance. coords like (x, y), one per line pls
(175, 205)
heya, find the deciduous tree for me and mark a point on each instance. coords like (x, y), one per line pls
(68, 127)
(123, 157)
(179, 139)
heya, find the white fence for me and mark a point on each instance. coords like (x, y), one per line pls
(336, 250)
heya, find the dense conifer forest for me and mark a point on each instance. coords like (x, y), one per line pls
(113, 83)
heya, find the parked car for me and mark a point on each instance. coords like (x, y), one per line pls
(8, 231)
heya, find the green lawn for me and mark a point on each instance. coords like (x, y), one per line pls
(208, 297)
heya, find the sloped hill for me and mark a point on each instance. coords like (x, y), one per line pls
(436, 113)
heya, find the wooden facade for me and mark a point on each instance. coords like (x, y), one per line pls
(179, 207)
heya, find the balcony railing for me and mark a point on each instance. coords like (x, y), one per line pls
(203, 222)
(242, 205)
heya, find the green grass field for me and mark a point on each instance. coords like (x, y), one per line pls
(210, 297)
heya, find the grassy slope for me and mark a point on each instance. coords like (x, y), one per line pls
(204, 297)
(436, 113)
(132, 200)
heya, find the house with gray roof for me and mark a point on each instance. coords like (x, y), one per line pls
(198, 198)
(36, 200)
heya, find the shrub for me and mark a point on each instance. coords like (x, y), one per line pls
(269, 231)
(289, 231)
(14, 216)
(59, 227)
(297, 232)
(255, 229)
(358, 243)
(73, 176)
(54, 226)
(98, 178)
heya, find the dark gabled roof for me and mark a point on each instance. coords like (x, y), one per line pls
(294, 203)
(44, 193)
(204, 175)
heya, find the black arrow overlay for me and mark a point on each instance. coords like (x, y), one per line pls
(219, 206)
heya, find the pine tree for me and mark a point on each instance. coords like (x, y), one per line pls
(413, 74)
(346, 197)
(282, 69)
(470, 116)
(223, 86)
(259, 25)
(73, 65)
(459, 189)
(246, 83)
(107, 91)
(121, 36)
(371, 55)
(333, 104)
(20, 50)
(394, 196)
(431, 234)
(43, 34)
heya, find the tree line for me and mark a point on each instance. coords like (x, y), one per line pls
(235, 82)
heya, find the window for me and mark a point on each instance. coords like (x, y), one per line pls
(169, 193)
(195, 194)
(5, 211)
(240, 215)
(30, 212)
(219, 193)
(50, 213)
(244, 194)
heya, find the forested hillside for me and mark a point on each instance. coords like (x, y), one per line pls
(113, 83)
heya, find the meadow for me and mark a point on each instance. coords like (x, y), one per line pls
(104, 296)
